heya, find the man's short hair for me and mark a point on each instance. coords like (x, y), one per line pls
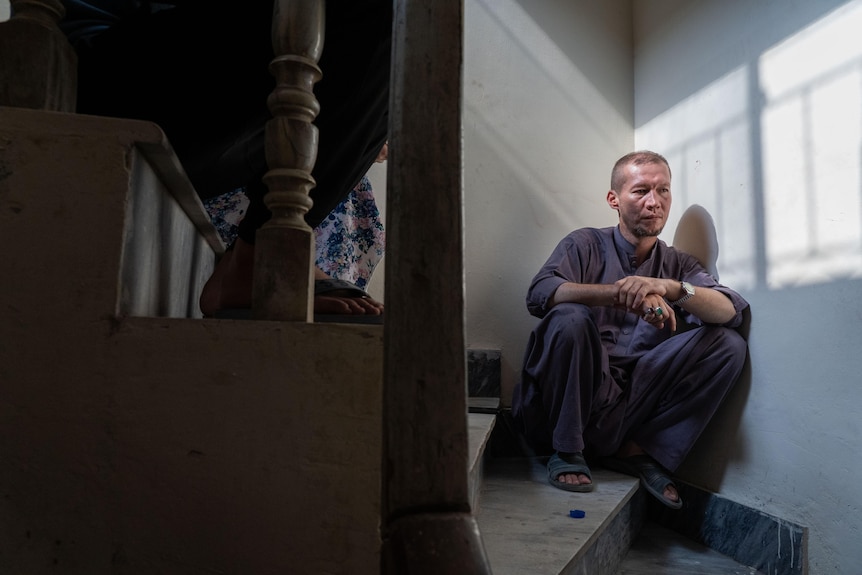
(639, 158)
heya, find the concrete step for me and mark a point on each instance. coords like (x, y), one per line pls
(479, 428)
(658, 550)
(527, 528)
(101, 204)
(135, 436)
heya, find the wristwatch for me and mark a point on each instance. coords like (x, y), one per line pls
(689, 293)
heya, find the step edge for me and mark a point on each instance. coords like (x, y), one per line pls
(480, 426)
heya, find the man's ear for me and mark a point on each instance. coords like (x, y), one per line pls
(613, 201)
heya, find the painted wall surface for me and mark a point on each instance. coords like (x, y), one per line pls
(547, 111)
(758, 107)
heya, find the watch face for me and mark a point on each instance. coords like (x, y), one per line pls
(689, 289)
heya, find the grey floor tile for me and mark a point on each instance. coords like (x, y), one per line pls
(661, 551)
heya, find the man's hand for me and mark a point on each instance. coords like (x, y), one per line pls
(644, 296)
(636, 294)
(657, 315)
(631, 291)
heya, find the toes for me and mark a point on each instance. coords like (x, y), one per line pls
(574, 479)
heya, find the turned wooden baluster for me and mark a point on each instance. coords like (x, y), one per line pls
(427, 521)
(284, 246)
(38, 67)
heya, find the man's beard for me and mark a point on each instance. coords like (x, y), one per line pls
(640, 232)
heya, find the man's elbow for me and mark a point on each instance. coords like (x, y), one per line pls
(728, 317)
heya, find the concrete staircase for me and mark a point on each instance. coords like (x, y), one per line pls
(531, 527)
(527, 526)
(135, 437)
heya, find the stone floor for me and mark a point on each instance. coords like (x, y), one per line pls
(661, 551)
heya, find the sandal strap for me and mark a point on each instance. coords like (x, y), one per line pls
(558, 466)
(329, 285)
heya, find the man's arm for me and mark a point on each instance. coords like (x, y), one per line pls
(638, 293)
(587, 294)
(611, 295)
(708, 304)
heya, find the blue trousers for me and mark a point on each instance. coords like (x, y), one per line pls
(575, 395)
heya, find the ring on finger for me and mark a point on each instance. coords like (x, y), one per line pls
(658, 311)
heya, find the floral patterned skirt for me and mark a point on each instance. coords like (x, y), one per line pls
(349, 243)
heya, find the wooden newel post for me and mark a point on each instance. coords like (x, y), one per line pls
(38, 66)
(428, 527)
(284, 246)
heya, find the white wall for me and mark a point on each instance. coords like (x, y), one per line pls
(548, 109)
(758, 106)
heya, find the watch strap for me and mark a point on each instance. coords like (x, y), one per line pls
(688, 290)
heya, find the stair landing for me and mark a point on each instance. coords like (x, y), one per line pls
(527, 528)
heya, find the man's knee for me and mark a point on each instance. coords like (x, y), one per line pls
(570, 319)
(566, 333)
(729, 343)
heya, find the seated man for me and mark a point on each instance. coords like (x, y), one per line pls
(605, 371)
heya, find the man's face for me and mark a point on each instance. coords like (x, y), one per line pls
(643, 201)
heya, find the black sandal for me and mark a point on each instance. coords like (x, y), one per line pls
(653, 476)
(573, 463)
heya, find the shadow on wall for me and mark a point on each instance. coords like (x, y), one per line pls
(695, 234)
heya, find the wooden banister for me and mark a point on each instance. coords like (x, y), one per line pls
(427, 522)
(284, 251)
(38, 67)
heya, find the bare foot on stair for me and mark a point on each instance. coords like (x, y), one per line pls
(230, 287)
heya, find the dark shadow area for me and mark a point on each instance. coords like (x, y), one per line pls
(696, 235)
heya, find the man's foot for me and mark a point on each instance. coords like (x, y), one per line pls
(632, 460)
(569, 471)
(230, 287)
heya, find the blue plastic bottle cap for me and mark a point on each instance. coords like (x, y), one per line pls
(577, 513)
